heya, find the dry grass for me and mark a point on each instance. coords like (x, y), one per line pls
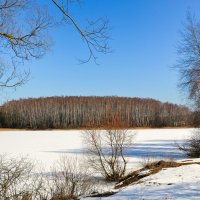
(11, 129)
(89, 128)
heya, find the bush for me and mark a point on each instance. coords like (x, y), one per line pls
(70, 180)
(148, 161)
(106, 152)
(17, 181)
(192, 145)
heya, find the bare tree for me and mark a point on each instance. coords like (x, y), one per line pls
(189, 68)
(24, 26)
(106, 152)
(189, 57)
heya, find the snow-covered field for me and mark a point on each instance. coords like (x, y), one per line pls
(174, 183)
(47, 146)
(169, 184)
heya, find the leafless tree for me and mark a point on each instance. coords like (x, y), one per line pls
(189, 68)
(106, 152)
(24, 27)
(189, 57)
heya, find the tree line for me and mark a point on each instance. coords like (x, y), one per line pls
(92, 112)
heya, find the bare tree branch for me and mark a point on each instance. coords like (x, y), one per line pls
(24, 26)
(11, 77)
(95, 35)
(23, 36)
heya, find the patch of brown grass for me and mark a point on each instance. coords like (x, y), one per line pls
(11, 129)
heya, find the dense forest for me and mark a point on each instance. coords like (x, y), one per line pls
(92, 112)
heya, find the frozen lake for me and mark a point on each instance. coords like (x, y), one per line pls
(48, 146)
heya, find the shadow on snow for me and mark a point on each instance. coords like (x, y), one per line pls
(149, 148)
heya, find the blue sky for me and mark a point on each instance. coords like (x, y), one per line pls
(144, 38)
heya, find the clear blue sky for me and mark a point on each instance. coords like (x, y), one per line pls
(144, 38)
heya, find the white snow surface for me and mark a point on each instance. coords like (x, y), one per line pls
(173, 183)
(47, 146)
(169, 184)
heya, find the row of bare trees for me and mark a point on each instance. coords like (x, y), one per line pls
(92, 112)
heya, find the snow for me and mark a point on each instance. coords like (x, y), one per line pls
(46, 147)
(175, 175)
(172, 183)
